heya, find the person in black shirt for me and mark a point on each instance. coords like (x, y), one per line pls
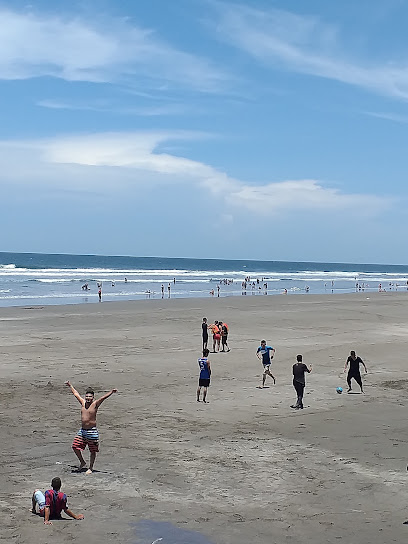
(299, 369)
(354, 370)
(204, 326)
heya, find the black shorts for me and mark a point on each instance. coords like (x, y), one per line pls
(204, 382)
(205, 337)
(224, 339)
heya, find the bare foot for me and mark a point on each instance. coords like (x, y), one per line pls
(89, 471)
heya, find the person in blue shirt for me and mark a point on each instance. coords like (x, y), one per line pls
(265, 354)
(205, 375)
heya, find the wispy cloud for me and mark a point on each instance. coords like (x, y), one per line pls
(105, 107)
(114, 50)
(306, 45)
(397, 118)
(134, 159)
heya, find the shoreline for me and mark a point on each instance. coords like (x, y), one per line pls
(157, 298)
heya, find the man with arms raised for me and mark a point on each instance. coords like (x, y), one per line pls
(88, 433)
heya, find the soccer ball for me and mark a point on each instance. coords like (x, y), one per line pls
(339, 390)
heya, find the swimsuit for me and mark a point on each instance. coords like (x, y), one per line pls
(87, 437)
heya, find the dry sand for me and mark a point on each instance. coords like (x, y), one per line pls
(243, 469)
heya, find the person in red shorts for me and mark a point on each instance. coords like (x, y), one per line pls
(52, 503)
(88, 434)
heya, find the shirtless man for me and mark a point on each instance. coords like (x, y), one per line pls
(88, 433)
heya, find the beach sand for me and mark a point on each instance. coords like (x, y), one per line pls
(245, 468)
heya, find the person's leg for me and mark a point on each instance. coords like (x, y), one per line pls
(263, 378)
(78, 445)
(93, 449)
(299, 392)
(92, 458)
(38, 498)
(198, 393)
(205, 394)
(213, 344)
(357, 377)
(349, 376)
(300, 395)
(272, 376)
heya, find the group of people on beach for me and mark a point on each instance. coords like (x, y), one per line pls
(265, 354)
(219, 332)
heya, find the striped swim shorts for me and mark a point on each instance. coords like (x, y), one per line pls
(87, 437)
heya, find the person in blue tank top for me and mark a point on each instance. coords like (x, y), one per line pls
(205, 375)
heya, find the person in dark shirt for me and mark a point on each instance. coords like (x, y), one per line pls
(205, 375)
(52, 503)
(354, 370)
(204, 327)
(299, 369)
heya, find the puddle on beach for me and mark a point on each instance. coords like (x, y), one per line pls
(162, 532)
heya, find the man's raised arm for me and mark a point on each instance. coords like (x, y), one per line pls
(75, 392)
(99, 401)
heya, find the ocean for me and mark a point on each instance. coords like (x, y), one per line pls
(39, 279)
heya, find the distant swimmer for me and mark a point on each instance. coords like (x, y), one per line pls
(205, 375)
(265, 354)
(299, 382)
(354, 370)
(100, 293)
(88, 434)
(51, 503)
(162, 291)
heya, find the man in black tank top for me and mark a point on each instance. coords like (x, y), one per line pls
(354, 370)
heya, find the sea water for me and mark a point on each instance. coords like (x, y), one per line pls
(38, 279)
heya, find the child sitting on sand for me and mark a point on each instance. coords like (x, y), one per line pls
(52, 503)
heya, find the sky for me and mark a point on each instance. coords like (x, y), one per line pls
(265, 129)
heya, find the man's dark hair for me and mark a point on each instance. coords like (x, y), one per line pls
(206, 352)
(299, 358)
(89, 390)
(56, 483)
(263, 341)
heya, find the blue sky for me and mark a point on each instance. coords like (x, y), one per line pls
(265, 129)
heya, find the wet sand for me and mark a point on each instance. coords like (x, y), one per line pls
(244, 468)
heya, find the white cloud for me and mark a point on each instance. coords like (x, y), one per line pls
(106, 107)
(99, 161)
(396, 117)
(305, 44)
(98, 51)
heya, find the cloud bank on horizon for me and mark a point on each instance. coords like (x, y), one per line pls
(235, 131)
